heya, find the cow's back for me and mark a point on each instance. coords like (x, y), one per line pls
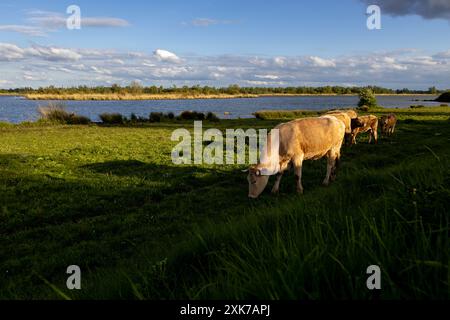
(312, 137)
(351, 113)
(345, 119)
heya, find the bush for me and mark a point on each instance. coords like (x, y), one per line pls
(112, 118)
(212, 117)
(75, 119)
(444, 105)
(171, 115)
(417, 107)
(445, 97)
(155, 117)
(192, 115)
(56, 112)
(367, 98)
(133, 118)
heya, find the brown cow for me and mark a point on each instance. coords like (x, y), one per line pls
(364, 124)
(388, 124)
(299, 140)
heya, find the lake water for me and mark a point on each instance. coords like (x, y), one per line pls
(19, 109)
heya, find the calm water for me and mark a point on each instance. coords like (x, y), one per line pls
(18, 109)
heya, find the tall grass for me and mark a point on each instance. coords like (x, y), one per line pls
(320, 248)
(56, 112)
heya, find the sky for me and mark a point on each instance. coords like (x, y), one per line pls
(218, 43)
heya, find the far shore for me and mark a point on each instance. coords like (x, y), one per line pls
(175, 96)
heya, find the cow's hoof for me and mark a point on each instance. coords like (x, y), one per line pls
(325, 184)
(275, 192)
(300, 191)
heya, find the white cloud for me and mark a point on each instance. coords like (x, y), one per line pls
(101, 70)
(324, 63)
(267, 76)
(10, 52)
(56, 20)
(43, 22)
(27, 30)
(166, 56)
(53, 53)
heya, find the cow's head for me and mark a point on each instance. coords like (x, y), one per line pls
(257, 182)
(357, 123)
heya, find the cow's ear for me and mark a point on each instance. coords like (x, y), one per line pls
(245, 171)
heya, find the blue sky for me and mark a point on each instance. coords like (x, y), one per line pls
(271, 43)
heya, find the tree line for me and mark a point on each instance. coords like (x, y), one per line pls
(137, 88)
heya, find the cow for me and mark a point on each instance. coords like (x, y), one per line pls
(365, 124)
(299, 140)
(388, 123)
(346, 120)
(351, 113)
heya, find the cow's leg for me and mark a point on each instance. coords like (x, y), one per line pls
(354, 138)
(330, 165)
(375, 135)
(298, 164)
(276, 186)
(370, 136)
(337, 161)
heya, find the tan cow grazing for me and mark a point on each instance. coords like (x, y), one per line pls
(365, 124)
(299, 140)
(351, 113)
(388, 124)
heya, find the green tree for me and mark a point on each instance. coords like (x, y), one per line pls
(367, 98)
(432, 90)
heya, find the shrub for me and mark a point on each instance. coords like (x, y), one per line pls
(56, 112)
(155, 117)
(133, 118)
(212, 117)
(192, 115)
(367, 98)
(417, 107)
(444, 105)
(76, 119)
(445, 97)
(171, 115)
(112, 118)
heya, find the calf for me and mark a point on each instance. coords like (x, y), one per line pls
(365, 124)
(388, 124)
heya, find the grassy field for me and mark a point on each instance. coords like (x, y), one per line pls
(109, 199)
(424, 113)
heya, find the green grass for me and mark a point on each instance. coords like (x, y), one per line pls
(108, 199)
(425, 113)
